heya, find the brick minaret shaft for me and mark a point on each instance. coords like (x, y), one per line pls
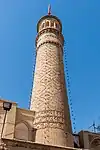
(49, 99)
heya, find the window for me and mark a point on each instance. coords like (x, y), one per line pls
(52, 24)
(56, 25)
(43, 25)
(47, 23)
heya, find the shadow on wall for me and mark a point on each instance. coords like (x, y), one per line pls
(95, 144)
(76, 145)
(23, 132)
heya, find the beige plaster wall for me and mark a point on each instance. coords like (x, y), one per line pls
(24, 125)
(88, 140)
(18, 123)
(9, 126)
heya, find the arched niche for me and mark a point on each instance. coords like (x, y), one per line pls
(95, 144)
(52, 23)
(57, 26)
(21, 131)
(47, 23)
(43, 25)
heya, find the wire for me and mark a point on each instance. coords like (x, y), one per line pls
(68, 85)
(32, 78)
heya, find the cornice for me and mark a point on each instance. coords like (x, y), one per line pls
(50, 30)
(52, 42)
(31, 145)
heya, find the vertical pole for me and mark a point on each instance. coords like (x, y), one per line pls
(3, 123)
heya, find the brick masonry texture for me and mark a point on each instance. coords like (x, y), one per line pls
(49, 97)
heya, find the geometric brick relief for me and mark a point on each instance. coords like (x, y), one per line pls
(49, 98)
(45, 38)
(49, 119)
(57, 125)
(49, 86)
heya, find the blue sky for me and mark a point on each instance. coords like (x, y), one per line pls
(81, 29)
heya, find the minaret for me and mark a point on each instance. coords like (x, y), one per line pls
(49, 99)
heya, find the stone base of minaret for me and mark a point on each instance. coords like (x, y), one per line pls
(48, 136)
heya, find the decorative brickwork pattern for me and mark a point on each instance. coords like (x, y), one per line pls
(49, 98)
(55, 119)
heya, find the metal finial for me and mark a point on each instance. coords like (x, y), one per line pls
(49, 9)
